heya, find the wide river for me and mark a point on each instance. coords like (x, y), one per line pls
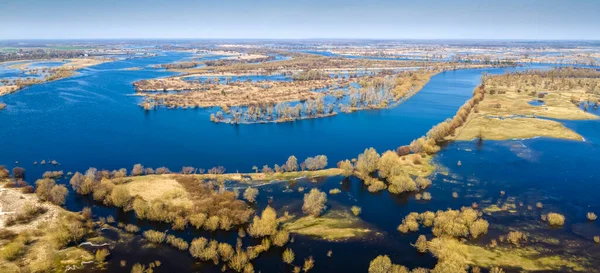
(92, 120)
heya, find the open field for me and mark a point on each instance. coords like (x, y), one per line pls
(508, 110)
(513, 128)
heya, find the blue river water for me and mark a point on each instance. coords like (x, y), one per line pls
(92, 120)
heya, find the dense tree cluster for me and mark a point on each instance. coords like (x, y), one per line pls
(452, 223)
(39, 54)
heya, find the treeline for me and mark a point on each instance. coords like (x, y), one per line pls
(560, 72)
(52, 74)
(291, 165)
(180, 65)
(376, 92)
(213, 208)
(387, 171)
(311, 74)
(39, 54)
(557, 79)
(280, 112)
(226, 62)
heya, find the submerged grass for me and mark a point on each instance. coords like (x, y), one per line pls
(525, 258)
(335, 225)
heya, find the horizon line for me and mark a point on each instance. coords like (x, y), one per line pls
(288, 39)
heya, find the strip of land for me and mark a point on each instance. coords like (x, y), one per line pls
(68, 69)
(520, 105)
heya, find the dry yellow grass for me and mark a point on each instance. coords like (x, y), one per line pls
(525, 258)
(42, 253)
(557, 105)
(5, 90)
(513, 128)
(78, 63)
(505, 112)
(158, 187)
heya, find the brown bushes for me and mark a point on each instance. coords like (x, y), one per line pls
(367, 162)
(356, 210)
(280, 238)
(388, 165)
(421, 244)
(403, 150)
(177, 242)
(291, 165)
(308, 264)
(514, 237)
(211, 209)
(53, 174)
(288, 256)
(479, 227)
(18, 173)
(314, 202)
(198, 244)
(347, 166)
(188, 170)
(131, 228)
(197, 220)
(265, 225)
(376, 185)
(47, 190)
(120, 197)
(381, 264)
(4, 172)
(453, 223)
(138, 169)
(154, 236)
(250, 194)
(316, 163)
(424, 145)
(101, 255)
(555, 219)
(591, 216)
(225, 251)
(239, 261)
(401, 183)
(422, 183)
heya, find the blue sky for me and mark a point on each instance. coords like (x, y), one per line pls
(389, 19)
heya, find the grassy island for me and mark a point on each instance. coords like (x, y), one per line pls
(335, 225)
(314, 87)
(522, 104)
(280, 101)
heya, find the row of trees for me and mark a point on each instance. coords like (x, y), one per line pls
(283, 111)
(291, 165)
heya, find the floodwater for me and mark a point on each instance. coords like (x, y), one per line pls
(91, 120)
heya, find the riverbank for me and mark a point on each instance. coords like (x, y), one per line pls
(49, 74)
(513, 102)
(38, 236)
